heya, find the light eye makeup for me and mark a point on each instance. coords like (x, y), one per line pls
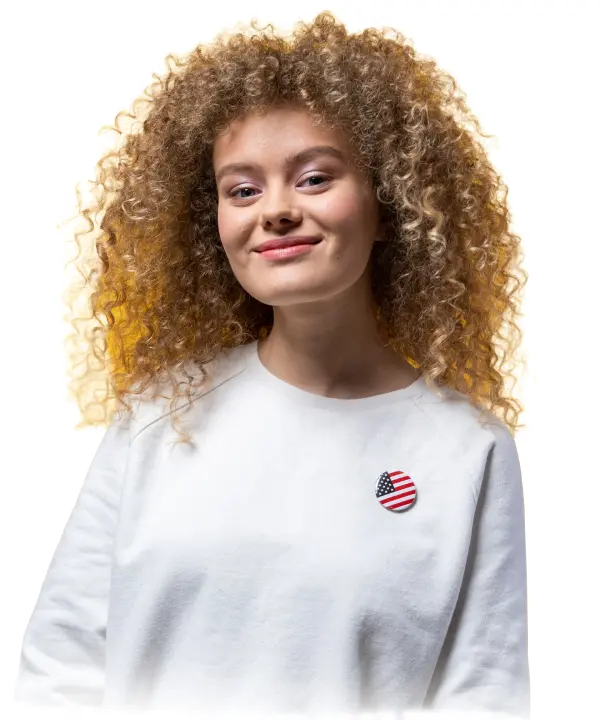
(320, 176)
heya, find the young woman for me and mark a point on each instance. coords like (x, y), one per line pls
(306, 252)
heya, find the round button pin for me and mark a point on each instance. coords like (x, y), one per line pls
(396, 491)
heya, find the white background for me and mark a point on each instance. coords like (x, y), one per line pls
(530, 71)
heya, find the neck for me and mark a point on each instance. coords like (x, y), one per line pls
(334, 348)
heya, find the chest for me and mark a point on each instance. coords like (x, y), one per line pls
(293, 511)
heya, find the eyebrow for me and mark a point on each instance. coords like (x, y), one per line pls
(302, 156)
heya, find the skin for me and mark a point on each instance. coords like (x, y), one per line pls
(325, 337)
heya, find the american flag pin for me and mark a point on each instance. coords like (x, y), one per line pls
(396, 491)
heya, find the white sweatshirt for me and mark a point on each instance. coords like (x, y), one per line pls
(260, 571)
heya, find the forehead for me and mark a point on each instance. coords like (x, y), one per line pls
(279, 130)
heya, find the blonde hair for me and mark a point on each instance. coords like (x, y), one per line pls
(160, 292)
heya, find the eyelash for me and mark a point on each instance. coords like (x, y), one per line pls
(233, 193)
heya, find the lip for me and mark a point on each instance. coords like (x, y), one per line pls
(287, 242)
(288, 252)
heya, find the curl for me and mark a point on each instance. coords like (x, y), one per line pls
(161, 300)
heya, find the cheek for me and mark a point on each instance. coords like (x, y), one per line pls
(233, 229)
(348, 213)
(224, 224)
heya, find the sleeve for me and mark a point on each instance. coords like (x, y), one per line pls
(484, 663)
(62, 655)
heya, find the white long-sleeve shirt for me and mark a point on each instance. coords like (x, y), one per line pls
(261, 571)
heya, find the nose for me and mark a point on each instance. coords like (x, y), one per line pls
(279, 211)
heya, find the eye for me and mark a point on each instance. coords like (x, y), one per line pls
(317, 176)
(234, 193)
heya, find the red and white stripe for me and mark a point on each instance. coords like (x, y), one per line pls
(404, 493)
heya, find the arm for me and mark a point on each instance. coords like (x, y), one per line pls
(484, 661)
(62, 656)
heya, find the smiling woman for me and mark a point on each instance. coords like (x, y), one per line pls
(304, 235)
(283, 149)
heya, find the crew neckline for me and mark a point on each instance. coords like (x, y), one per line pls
(305, 397)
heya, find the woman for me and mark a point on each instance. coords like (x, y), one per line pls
(305, 236)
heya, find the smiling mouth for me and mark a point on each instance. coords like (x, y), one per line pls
(289, 242)
(291, 250)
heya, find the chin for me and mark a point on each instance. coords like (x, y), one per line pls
(293, 296)
(302, 288)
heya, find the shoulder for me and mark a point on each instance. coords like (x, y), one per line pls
(459, 429)
(456, 418)
(157, 400)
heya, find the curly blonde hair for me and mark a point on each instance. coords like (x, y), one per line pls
(157, 286)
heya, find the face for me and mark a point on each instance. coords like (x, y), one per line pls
(273, 183)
